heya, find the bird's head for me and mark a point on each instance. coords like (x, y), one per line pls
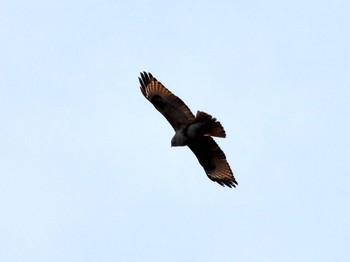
(178, 140)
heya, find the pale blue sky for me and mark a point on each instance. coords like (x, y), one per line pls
(86, 168)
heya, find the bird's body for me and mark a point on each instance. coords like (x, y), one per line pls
(193, 131)
(202, 125)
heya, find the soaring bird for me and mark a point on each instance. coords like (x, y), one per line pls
(193, 131)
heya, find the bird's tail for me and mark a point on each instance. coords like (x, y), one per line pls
(211, 126)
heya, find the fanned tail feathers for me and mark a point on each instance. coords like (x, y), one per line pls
(212, 126)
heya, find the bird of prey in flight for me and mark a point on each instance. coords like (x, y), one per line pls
(193, 131)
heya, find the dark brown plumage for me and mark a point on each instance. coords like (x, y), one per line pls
(190, 130)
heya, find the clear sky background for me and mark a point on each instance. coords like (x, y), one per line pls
(86, 168)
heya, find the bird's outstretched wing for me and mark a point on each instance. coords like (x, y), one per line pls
(171, 107)
(213, 160)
